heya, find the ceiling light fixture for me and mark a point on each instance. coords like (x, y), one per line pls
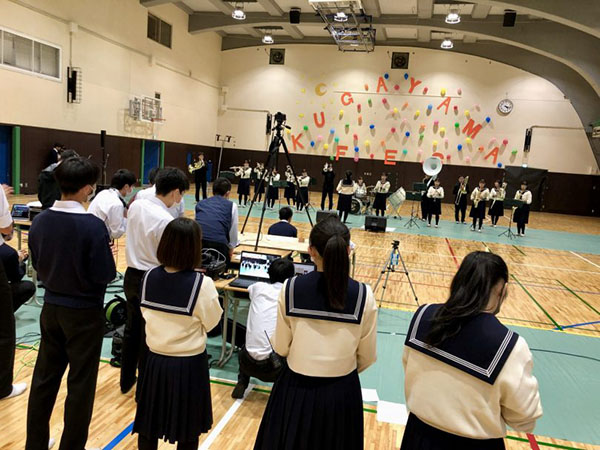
(340, 17)
(268, 39)
(453, 17)
(447, 44)
(238, 12)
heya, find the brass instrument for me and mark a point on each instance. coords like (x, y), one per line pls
(196, 166)
(236, 168)
(518, 196)
(500, 194)
(477, 199)
(461, 190)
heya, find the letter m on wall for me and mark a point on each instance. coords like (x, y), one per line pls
(471, 130)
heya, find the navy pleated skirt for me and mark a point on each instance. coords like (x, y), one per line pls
(313, 413)
(420, 436)
(174, 401)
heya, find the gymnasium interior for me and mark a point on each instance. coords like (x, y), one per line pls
(505, 90)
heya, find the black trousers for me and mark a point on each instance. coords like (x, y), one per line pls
(521, 227)
(327, 192)
(250, 367)
(7, 336)
(462, 208)
(437, 218)
(475, 220)
(134, 336)
(152, 444)
(495, 219)
(21, 292)
(200, 182)
(70, 337)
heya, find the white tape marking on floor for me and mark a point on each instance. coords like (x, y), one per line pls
(586, 260)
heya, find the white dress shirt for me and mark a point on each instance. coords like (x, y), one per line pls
(147, 219)
(109, 208)
(262, 317)
(68, 206)
(177, 210)
(5, 216)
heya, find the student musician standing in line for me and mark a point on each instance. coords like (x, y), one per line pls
(179, 305)
(346, 189)
(290, 188)
(327, 329)
(497, 195)
(461, 192)
(467, 376)
(243, 189)
(198, 169)
(302, 200)
(428, 181)
(381, 191)
(273, 190)
(259, 185)
(328, 180)
(435, 195)
(521, 214)
(479, 196)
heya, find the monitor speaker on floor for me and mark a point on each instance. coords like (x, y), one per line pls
(322, 215)
(375, 223)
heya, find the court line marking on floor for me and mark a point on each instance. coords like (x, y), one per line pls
(452, 253)
(214, 434)
(576, 325)
(585, 259)
(522, 252)
(119, 437)
(536, 302)
(532, 442)
(572, 292)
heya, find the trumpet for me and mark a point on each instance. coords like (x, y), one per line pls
(196, 166)
(236, 168)
(462, 190)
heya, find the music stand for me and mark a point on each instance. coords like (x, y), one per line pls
(511, 203)
(414, 197)
(279, 185)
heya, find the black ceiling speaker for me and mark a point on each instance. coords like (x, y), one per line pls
(295, 15)
(277, 56)
(510, 17)
(399, 60)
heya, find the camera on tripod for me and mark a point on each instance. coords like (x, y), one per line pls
(395, 244)
(280, 118)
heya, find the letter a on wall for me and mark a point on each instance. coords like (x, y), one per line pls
(493, 153)
(381, 84)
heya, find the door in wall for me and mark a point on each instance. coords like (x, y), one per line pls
(151, 157)
(5, 154)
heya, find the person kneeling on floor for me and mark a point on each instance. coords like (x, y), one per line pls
(257, 358)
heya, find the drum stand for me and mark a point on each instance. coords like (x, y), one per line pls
(389, 267)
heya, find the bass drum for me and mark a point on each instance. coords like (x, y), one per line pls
(356, 206)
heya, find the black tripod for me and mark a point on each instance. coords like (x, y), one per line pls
(389, 267)
(271, 163)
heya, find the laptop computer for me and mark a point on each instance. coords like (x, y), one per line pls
(20, 212)
(303, 268)
(254, 267)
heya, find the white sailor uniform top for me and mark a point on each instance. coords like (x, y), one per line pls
(473, 384)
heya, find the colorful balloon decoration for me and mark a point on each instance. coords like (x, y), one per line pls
(305, 127)
(488, 119)
(404, 151)
(499, 164)
(407, 134)
(372, 126)
(456, 125)
(468, 140)
(459, 147)
(326, 146)
(504, 141)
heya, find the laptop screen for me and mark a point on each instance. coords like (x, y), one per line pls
(20, 211)
(303, 268)
(256, 265)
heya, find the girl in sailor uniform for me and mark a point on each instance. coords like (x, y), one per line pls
(244, 173)
(290, 188)
(273, 191)
(497, 206)
(479, 196)
(179, 305)
(302, 199)
(259, 187)
(521, 215)
(346, 189)
(435, 195)
(381, 192)
(467, 376)
(327, 329)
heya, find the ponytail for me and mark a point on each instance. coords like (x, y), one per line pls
(336, 268)
(331, 239)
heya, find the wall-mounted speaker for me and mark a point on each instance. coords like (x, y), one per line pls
(375, 223)
(527, 145)
(74, 85)
(277, 56)
(510, 18)
(102, 138)
(295, 16)
(399, 60)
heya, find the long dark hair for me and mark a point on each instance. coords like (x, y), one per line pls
(331, 239)
(469, 294)
(348, 179)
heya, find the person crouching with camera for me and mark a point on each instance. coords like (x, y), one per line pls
(257, 358)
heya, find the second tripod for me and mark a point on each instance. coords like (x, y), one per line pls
(390, 266)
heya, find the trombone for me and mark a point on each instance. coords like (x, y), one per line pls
(462, 188)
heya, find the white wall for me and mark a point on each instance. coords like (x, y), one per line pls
(113, 51)
(253, 83)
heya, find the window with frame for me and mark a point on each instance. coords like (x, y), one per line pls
(22, 53)
(159, 30)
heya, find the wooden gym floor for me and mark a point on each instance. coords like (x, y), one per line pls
(549, 290)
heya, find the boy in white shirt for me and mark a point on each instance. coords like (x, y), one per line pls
(109, 204)
(257, 358)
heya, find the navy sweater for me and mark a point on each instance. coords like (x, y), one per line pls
(283, 229)
(15, 271)
(72, 256)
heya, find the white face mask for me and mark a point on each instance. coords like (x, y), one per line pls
(91, 195)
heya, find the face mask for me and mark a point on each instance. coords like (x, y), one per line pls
(91, 195)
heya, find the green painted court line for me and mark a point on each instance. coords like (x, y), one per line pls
(522, 252)
(546, 444)
(572, 292)
(536, 302)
